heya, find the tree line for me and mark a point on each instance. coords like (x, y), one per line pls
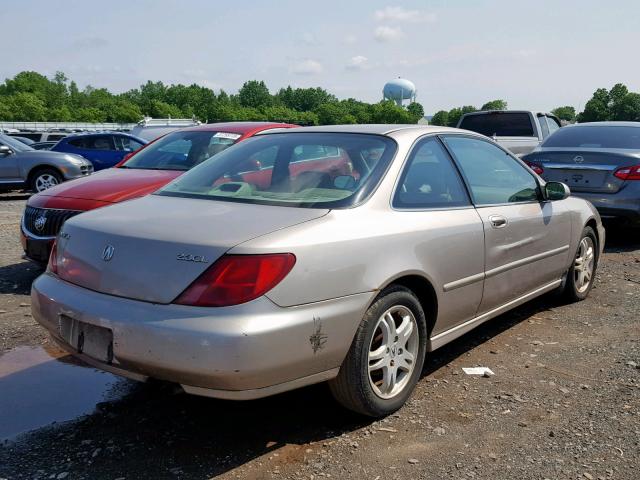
(615, 104)
(30, 96)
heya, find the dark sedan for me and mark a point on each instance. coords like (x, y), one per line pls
(600, 162)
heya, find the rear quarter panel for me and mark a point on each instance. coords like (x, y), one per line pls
(359, 250)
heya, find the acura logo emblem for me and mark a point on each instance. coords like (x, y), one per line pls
(40, 222)
(578, 159)
(107, 253)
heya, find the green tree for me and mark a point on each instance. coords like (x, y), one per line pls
(254, 94)
(456, 113)
(440, 118)
(596, 109)
(495, 105)
(416, 110)
(27, 106)
(566, 113)
(627, 108)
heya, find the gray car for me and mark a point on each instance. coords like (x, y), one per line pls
(24, 167)
(600, 161)
(341, 253)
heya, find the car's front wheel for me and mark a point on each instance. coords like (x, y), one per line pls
(386, 357)
(44, 179)
(583, 270)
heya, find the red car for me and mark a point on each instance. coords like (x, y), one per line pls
(148, 169)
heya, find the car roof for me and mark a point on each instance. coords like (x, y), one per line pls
(606, 124)
(377, 129)
(237, 127)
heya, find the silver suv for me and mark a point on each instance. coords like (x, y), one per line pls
(24, 167)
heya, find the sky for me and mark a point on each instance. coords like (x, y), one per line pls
(536, 55)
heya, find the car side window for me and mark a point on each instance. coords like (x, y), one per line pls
(553, 125)
(429, 179)
(493, 176)
(542, 121)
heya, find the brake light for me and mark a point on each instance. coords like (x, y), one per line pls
(52, 266)
(235, 279)
(535, 167)
(628, 173)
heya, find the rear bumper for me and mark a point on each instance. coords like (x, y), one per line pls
(622, 205)
(242, 352)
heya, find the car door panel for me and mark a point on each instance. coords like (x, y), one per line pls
(528, 251)
(526, 239)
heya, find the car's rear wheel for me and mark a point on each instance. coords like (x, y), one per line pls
(44, 179)
(582, 273)
(386, 357)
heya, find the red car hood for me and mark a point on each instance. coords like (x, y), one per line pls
(112, 185)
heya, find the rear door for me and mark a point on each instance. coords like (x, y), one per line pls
(526, 239)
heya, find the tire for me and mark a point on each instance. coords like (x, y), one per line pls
(43, 179)
(370, 393)
(585, 262)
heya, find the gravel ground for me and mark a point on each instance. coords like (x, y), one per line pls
(564, 403)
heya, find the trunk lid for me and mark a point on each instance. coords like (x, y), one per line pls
(584, 169)
(131, 249)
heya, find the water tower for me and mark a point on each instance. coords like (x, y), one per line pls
(399, 90)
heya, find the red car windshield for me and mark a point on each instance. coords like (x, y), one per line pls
(181, 150)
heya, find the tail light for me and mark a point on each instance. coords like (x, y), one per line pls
(628, 173)
(236, 279)
(535, 167)
(52, 266)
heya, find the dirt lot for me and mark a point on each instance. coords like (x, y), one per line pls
(564, 402)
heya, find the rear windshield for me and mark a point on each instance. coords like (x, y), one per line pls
(595, 137)
(499, 124)
(324, 170)
(181, 150)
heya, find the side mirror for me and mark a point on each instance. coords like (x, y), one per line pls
(4, 151)
(556, 191)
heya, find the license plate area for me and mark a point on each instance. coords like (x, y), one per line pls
(580, 178)
(91, 340)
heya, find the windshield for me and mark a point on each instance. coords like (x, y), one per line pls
(181, 150)
(595, 137)
(15, 145)
(324, 170)
(500, 124)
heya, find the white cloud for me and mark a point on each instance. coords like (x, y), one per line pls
(358, 62)
(399, 14)
(387, 34)
(307, 67)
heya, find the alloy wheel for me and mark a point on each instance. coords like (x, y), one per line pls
(393, 351)
(44, 181)
(583, 264)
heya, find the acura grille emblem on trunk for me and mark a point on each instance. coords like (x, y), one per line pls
(578, 159)
(107, 253)
(40, 222)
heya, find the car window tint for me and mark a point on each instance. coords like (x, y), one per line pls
(544, 127)
(299, 170)
(493, 176)
(595, 136)
(93, 143)
(126, 144)
(430, 180)
(553, 125)
(500, 124)
(54, 137)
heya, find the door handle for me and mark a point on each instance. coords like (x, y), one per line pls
(498, 221)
